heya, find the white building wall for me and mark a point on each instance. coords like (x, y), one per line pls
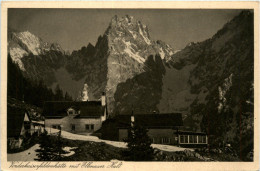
(79, 123)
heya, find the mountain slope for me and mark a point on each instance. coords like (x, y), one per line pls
(36, 58)
(142, 92)
(216, 84)
(22, 44)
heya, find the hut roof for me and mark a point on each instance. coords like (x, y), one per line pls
(58, 109)
(15, 120)
(167, 120)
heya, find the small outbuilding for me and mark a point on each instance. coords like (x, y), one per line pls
(161, 127)
(19, 126)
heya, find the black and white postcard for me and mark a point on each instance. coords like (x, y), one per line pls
(130, 85)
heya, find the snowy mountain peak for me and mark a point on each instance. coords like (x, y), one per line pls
(128, 26)
(31, 41)
(21, 44)
(122, 20)
(131, 37)
(55, 46)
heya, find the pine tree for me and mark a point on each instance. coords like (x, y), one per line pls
(58, 93)
(67, 97)
(51, 148)
(58, 148)
(32, 91)
(46, 152)
(139, 145)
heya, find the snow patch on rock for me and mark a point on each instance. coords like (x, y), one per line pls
(222, 92)
(133, 34)
(16, 54)
(144, 37)
(31, 41)
(176, 51)
(162, 54)
(131, 52)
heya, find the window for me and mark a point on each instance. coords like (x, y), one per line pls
(71, 111)
(195, 138)
(200, 138)
(204, 139)
(186, 139)
(73, 127)
(191, 138)
(27, 126)
(56, 126)
(181, 139)
(166, 140)
(89, 126)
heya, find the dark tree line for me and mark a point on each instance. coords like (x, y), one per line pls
(30, 91)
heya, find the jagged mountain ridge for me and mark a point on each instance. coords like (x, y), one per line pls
(36, 58)
(118, 55)
(22, 44)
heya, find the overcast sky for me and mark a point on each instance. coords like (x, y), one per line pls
(74, 28)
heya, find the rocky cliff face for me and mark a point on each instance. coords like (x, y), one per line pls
(141, 93)
(130, 46)
(90, 65)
